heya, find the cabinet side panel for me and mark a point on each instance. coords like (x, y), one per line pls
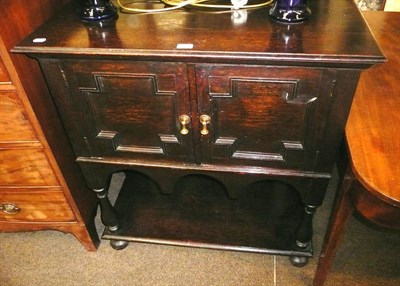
(341, 99)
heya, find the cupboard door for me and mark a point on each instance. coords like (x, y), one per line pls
(125, 109)
(263, 116)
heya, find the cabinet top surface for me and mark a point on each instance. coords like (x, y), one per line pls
(334, 34)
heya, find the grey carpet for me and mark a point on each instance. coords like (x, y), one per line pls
(366, 257)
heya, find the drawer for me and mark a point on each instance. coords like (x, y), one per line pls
(43, 206)
(25, 167)
(14, 123)
(4, 76)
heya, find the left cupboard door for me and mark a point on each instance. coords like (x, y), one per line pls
(120, 109)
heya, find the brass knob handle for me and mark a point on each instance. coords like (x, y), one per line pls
(204, 120)
(9, 208)
(184, 120)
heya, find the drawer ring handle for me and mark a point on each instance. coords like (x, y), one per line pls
(9, 208)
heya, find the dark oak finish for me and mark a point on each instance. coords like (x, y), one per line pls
(200, 213)
(30, 175)
(371, 182)
(276, 98)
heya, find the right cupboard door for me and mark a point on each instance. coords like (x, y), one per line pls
(262, 116)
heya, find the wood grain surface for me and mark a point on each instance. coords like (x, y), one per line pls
(44, 206)
(373, 128)
(26, 167)
(14, 122)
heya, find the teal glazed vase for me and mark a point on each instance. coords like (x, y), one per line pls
(290, 11)
(98, 10)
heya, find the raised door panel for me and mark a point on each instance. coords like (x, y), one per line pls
(262, 116)
(14, 123)
(126, 109)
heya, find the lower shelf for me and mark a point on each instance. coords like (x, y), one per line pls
(199, 213)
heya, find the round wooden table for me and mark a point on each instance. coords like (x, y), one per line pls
(371, 182)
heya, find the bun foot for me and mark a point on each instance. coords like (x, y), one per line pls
(298, 261)
(118, 244)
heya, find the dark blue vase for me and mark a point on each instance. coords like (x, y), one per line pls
(98, 10)
(290, 11)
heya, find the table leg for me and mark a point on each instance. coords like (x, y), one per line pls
(340, 216)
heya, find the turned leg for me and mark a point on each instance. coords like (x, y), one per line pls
(304, 236)
(341, 213)
(109, 217)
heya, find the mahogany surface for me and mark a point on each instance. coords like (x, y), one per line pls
(371, 183)
(278, 98)
(371, 131)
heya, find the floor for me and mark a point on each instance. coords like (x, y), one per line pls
(367, 257)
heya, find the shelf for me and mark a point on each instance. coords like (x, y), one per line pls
(199, 213)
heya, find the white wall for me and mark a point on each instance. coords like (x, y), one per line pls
(392, 5)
